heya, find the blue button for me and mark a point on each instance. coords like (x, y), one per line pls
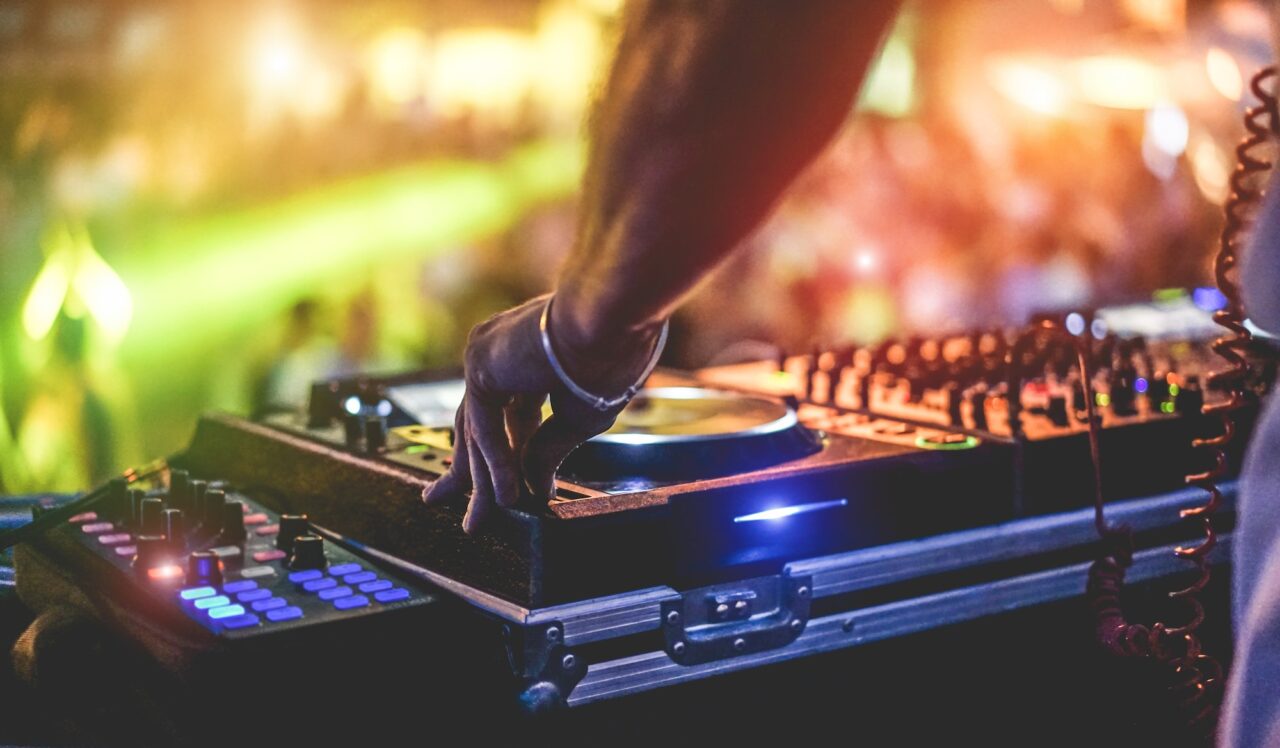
(298, 577)
(251, 595)
(390, 596)
(205, 603)
(341, 569)
(195, 593)
(241, 586)
(315, 585)
(351, 601)
(378, 586)
(239, 622)
(334, 593)
(271, 604)
(284, 614)
(226, 611)
(359, 577)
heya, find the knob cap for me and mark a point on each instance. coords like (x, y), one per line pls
(211, 513)
(179, 489)
(291, 526)
(308, 553)
(1057, 411)
(203, 567)
(232, 522)
(119, 504)
(175, 529)
(136, 497)
(152, 516)
(375, 433)
(153, 551)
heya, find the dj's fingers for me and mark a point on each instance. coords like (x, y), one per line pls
(550, 445)
(481, 486)
(457, 479)
(487, 429)
(524, 415)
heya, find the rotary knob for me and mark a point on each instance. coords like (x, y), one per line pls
(211, 513)
(232, 523)
(153, 551)
(291, 526)
(308, 553)
(152, 513)
(179, 489)
(175, 529)
(203, 567)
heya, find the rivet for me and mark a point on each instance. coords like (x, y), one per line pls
(797, 624)
(678, 648)
(568, 662)
(803, 591)
(739, 644)
(553, 634)
(847, 625)
(673, 618)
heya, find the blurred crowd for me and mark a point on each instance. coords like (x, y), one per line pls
(262, 195)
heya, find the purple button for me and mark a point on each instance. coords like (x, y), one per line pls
(342, 569)
(242, 621)
(284, 614)
(390, 596)
(315, 585)
(249, 596)
(97, 527)
(351, 601)
(376, 586)
(269, 604)
(298, 577)
(240, 586)
(334, 592)
(359, 577)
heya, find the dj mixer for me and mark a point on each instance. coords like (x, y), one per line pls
(734, 517)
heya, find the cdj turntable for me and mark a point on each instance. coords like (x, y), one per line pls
(732, 517)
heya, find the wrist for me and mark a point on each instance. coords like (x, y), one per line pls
(596, 351)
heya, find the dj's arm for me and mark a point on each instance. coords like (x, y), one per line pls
(711, 109)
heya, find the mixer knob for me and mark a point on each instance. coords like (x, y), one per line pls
(153, 551)
(179, 489)
(375, 433)
(1057, 411)
(152, 514)
(291, 526)
(1158, 389)
(308, 553)
(136, 497)
(1190, 398)
(322, 404)
(203, 567)
(211, 513)
(232, 523)
(175, 529)
(353, 431)
(1122, 392)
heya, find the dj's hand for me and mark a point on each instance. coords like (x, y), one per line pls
(500, 437)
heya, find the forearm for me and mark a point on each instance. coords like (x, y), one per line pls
(712, 108)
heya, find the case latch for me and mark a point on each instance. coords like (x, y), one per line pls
(727, 620)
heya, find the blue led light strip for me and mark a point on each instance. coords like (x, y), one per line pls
(787, 511)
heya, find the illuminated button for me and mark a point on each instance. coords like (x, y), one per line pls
(315, 585)
(249, 596)
(376, 586)
(253, 572)
(126, 550)
(226, 551)
(205, 603)
(242, 621)
(284, 614)
(390, 596)
(115, 538)
(97, 527)
(83, 517)
(241, 586)
(334, 593)
(298, 577)
(263, 557)
(267, 529)
(270, 603)
(195, 593)
(226, 611)
(342, 569)
(359, 577)
(255, 519)
(350, 601)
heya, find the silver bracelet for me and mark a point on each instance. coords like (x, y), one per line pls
(596, 401)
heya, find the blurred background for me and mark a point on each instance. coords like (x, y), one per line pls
(207, 204)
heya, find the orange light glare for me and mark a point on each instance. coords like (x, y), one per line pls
(165, 573)
(1224, 73)
(1121, 82)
